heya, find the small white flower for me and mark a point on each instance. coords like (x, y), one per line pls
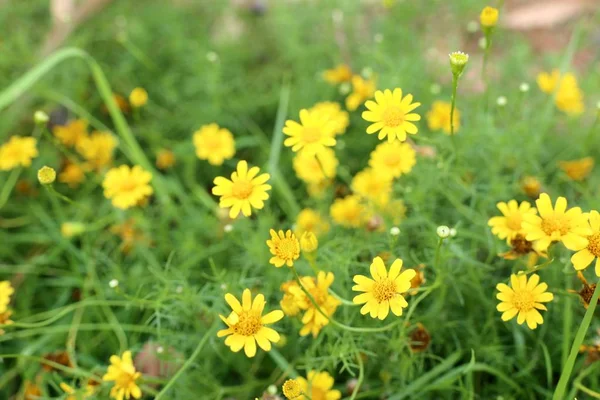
(40, 117)
(223, 286)
(367, 72)
(524, 87)
(378, 38)
(435, 89)
(501, 101)
(113, 283)
(472, 26)
(228, 228)
(212, 56)
(160, 349)
(394, 231)
(272, 390)
(179, 289)
(453, 232)
(443, 231)
(598, 105)
(344, 88)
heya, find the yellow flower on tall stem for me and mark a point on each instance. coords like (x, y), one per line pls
(285, 248)
(71, 134)
(246, 326)
(314, 133)
(123, 373)
(246, 190)
(509, 225)
(214, 144)
(362, 90)
(547, 81)
(393, 159)
(17, 152)
(488, 17)
(138, 97)
(584, 257)
(384, 291)
(577, 170)
(391, 115)
(317, 386)
(523, 299)
(127, 187)
(557, 224)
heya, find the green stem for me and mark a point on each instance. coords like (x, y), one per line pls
(452, 108)
(579, 337)
(8, 186)
(361, 376)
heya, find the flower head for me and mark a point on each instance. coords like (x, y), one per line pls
(284, 247)
(6, 290)
(315, 168)
(439, 117)
(458, 61)
(123, 373)
(557, 224)
(584, 257)
(577, 170)
(569, 97)
(72, 174)
(97, 149)
(547, 82)
(138, 97)
(362, 90)
(391, 115)
(17, 152)
(373, 186)
(384, 291)
(89, 391)
(393, 159)
(308, 242)
(318, 386)
(339, 74)
(246, 190)
(419, 339)
(348, 212)
(72, 133)
(165, 159)
(46, 175)
(246, 326)
(309, 220)
(523, 297)
(531, 186)
(214, 144)
(338, 118)
(509, 225)
(127, 186)
(488, 17)
(314, 133)
(291, 389)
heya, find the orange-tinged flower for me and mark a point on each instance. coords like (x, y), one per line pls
(577, 170)
(339, 74)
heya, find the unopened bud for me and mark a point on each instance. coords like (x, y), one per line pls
(443, 231)
(40, 117)
(458, 61)
(46, 175)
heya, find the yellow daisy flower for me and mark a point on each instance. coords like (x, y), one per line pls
(547, 81)
(138, 97)
(338, 117)
(524, 297)
(127, 187)
(285, 248)
(393, 159)
(314, 133)
(289, 304)
(557, 224)
(585, 256)
(384, 291)
(309, 220)
(165, 159)
(17, 152)
(439, 117)
(339, 74)
(214, 144)
(72, 175)
(362, 90)
(509, 225)
(313, 170)
(71, 134)
(348, 212)
(97, 149)
(246, 190)
(569, 97)
(577, 170)
(318, 386)
(488, 17)
(373, 186)
(246, 326)
(123, 373)
(391, 115)
(6, 290)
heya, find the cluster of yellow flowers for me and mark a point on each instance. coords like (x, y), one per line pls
(532, 230)
(568, 97)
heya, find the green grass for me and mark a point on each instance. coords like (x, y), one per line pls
(171, 287)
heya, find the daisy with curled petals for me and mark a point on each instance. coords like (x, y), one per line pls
(127, 187)
(384, 291)
(246, 190)
(246, 326)
(391, 115)
(509, 225)
(523, 297)
(314, 133)
(123, 373)
(557, 224)
(584, 257)
(285, 248)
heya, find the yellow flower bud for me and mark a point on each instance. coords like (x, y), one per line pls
(40, 117)
(308, 242)
(138, 97)
(46, 175)
(489, 17)
(291, 389)
(458, 61)
(71, 229)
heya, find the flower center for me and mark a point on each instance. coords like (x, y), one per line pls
(393, 117)
(249, 323)
(514, 222)
(213, 142)
(523, 300)
(125, 379)
(594, 244)
(384, 290)
(242, 189)
(391, 160)
(520, 245)
(311, 135)
(128, 185)
(286, 249)
(554, 225)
